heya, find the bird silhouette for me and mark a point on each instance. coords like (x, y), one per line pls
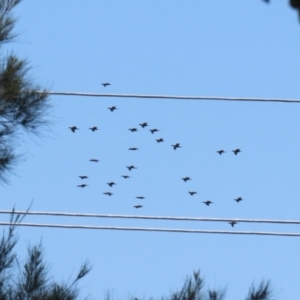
(83, 177)
(221, 152)
(153, 130)
(238, 199)
(130, 167)
(236, 151)
(144, 124)
(112, 108)
(232, 223)
(175, 146)
(125, 176)
(208, 202)
(73, 128)
(192, 193)
(105, 84)
(140, 197)
(133, 149)
(160, 140)
(132, 129)
(185, 179)
(108, 193)
(138, 206)
(111, 184)
(82, 185)
(94, 160)
(94, 128)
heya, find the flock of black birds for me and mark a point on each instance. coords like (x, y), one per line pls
(131, 167)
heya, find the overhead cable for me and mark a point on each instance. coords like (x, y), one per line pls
(165, 218)
(175, 230)
(172, 97)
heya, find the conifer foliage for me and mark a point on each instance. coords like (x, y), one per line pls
(30, 280)
(193, 289)
(23, 105)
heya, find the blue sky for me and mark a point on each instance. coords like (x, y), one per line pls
(195, 48)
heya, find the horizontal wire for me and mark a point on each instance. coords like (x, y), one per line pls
(167, 218)
(284, 100)
(152, 229)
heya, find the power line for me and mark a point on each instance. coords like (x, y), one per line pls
(171, 97)
(175, 230)
(165, 218)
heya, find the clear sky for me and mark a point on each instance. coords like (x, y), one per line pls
(171, 47)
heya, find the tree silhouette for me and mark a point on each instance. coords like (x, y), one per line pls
(23, 105)
(30, 281)
(193, 290)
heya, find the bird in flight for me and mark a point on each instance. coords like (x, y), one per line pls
(140, 197)
(130, 167)
(185, 179)
(221, 152)
(73, 128)
(236, 151)
(94, 160)
(232, 223)
(144, 124)
(153, 130)
(125, 176)
(238, 199)
(192, 193)
(83, 177)
(105, 84)
(160, 140)
(111, 184)
(82, 185)
(108, 193)
(94, 128)
(133, 149)
(138, 206)
(112, 108)
(175, 146)
(208, 202)
(132, 129)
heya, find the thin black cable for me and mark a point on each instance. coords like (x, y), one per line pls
(165, 218)
(287, 234)
(171, 97)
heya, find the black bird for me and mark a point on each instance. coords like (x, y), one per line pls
(108, 193)
(232, 223)
(82, 185)
(238, 199)
(83, 177)
(105, 84)
(208, 202)
(94, 160)
(130, 167)
(112, 108)
(133, 149)
(236, 151)
(125, 176)
(153, 130)
(221, 152)
(176, 146)
(185, 179)
(132, 129)
(140, 197)
(160, 140)
(94, 128)
(111, 184)
(73, 128)
(144, 124)
(192, 193)
(138, 206)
